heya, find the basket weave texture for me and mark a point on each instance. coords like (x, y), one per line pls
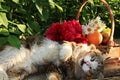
(109, 41)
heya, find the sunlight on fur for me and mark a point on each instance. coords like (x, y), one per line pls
(24, 61)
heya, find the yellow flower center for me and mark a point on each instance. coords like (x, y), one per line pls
(89, 29)
(97, 28)
(96, 22)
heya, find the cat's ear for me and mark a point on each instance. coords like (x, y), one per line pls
(73, 44)
(101, 53)
(92, 47)
(105, 58)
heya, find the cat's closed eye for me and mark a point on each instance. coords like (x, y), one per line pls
(93, 59)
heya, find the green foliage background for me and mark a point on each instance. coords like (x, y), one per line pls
(22, 18)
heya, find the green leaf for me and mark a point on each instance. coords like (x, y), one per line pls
(29, 30)
(91, 1)
(4, 31)
(3, 19)
(39, 8)
(3, 40)
(59, 7)
(21, 27)
(34, 25)
(1, 0)
(22, 10)
(51, 3)
(4, 8)
(16, 1)
(15, 30)
(44, 15)
(33, 1)
(14, 41)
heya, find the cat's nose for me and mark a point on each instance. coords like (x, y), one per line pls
(87, 63)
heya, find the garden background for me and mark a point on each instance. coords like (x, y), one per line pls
(22, 18)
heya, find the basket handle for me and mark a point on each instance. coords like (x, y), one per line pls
(109, 41)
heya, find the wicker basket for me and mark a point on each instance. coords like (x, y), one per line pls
(109, 41)
(112, 51)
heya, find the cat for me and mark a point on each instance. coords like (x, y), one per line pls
(35, 52)
(90, 64)
(45, 72)
(87, 66)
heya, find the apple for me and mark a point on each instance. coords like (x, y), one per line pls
(106, 34)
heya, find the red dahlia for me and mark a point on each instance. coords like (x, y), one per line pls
(68, 30)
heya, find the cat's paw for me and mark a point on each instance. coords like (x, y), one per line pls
(54, 76)
(3, 76)
(16, 73)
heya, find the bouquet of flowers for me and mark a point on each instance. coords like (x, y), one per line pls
(94, 25)
(72, 30)
(68, 30)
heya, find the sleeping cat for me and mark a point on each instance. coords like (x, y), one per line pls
(37, 52)
(86, 66)
(90, 64)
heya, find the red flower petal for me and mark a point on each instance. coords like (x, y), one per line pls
(53, 31)
(68, 30)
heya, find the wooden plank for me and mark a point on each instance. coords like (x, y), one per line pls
(112, 67)
(111, 52)
(114, 52)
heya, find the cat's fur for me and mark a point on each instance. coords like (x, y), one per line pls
(90, 64)
(38, 52)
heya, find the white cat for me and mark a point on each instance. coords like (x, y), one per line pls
(38, 51)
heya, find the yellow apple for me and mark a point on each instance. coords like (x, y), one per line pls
(106, 34)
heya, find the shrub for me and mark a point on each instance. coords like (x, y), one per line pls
(22, 18)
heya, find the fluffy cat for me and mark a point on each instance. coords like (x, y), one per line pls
(37, 52)
(45, 72)
(86, 66)
(90, 64)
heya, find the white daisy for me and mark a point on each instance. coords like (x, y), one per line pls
(94, 25)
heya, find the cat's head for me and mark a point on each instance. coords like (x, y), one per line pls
(79, 49)
(88, 57)
(91, 61)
